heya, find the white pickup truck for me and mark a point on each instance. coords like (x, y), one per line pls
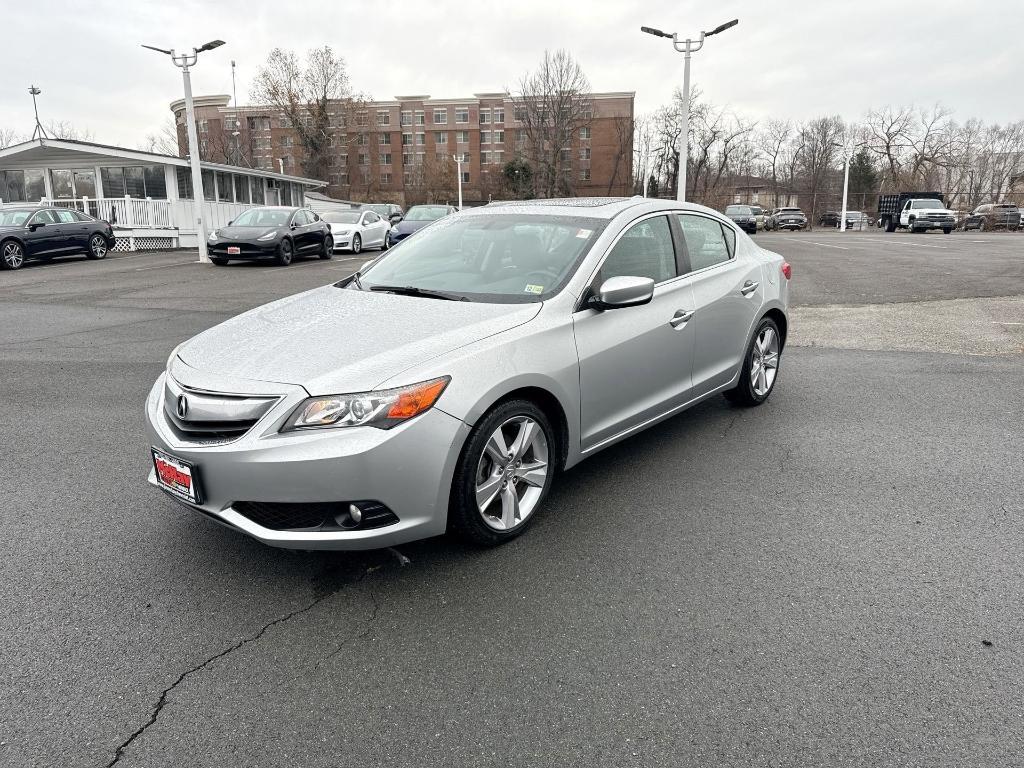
(918, 214)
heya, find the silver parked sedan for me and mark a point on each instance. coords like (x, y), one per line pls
(446, 384)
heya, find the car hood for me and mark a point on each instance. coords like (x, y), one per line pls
(408, 227)
(243, 233)
(938, 209)
(332, 340)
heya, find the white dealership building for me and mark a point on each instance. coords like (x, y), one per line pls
(146, 196)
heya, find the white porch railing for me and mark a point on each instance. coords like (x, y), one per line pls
(133, 212)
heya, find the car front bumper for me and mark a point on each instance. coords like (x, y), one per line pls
(408, 469)
(246, 250)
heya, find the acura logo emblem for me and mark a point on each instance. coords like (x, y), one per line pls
(182, 406)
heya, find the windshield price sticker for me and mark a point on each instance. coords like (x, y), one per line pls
(534, 288)
(584, 233)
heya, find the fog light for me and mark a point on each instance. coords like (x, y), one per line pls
(355, 513)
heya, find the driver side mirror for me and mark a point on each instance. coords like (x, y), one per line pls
(394, 218)
(230, 223)
(623, 291)
(36, 225)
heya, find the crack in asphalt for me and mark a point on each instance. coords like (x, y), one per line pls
(361, 636)
(162, 700)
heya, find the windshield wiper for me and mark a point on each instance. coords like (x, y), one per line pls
(411, 290)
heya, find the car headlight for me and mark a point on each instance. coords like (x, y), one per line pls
(268, 236)
(213, 236)
(344, 231)
(383, 409)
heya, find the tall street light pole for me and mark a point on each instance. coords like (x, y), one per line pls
(458, 166)
(686, 47)
(184, 61)
(847, 157)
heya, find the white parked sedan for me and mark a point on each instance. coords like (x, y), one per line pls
(357, 229)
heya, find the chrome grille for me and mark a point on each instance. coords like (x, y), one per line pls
(210, 418)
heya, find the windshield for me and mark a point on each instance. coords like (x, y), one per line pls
(500, 258)
(262, 217)
(926, 204)
(14, 218)
(743, 210)
(341, 217)
(426, 212)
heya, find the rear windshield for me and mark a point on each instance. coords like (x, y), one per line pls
(341, 217)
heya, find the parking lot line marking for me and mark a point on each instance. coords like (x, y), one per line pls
(164, 266)
(826, 245)
(996, 322)
(897, 242)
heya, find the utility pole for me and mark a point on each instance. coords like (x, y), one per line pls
(458, 165)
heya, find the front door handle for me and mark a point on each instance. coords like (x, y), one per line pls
(749, 287)
(680, 318)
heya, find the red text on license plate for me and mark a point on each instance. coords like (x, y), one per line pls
(234, 249)
(174, 476)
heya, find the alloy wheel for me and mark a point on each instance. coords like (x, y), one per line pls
(764, 362)
(98, 246)
(14, 256)
(511, 473)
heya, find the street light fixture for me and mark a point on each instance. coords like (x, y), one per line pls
(848, 149)
(687, 47)
(184, 61)
(458, 166)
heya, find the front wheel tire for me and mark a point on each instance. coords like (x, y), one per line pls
(760, 366)
(284, 253)
(504, 473)
(357, 244)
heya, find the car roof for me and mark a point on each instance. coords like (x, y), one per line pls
(589, 207)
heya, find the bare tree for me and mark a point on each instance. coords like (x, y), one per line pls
(551, 105)
(889, 135)
(622, 152)
(305, 94)
(9, 136)
(822, 141)
(771, 142)
(65, 129)
(163, 141)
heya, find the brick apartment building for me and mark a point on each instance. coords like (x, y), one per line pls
(383, 156)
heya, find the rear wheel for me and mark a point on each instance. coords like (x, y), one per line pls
(504, 473)
(284, 253)
(327, 249)
(760, 366)
(13, 255)
(890, 225)
(97, 247)
(947, 230)
(981, 226)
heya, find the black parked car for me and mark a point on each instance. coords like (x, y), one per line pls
(743, 217)
(994, 216)
(42, 233)
(272, 232)
(829, 219)
(416, 219)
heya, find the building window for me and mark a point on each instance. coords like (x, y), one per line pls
(440, 137)
(440, 116)
(284, 122)
(485, 137)
(364, 159)
(421, 139)
(385, 139)
(241, 189)
(383, 118)
(362, 139)
(465, 177)
(231, 124)
(407, 177)
(565, 156)
(224, 187)
(585, 132)
(462, 114)
(361, 118)
(365, 174)
(584, 153)
(421, 119)
(485, 158)
(406, 158)
(419, 158)
(499, 137)
(139, 182)
(499, 115)
(406, 139)
(286, 141)
(385, 159)
(259, 123)
(519, 114)
(343, 179)
(406, 117)
(485, 116)
(385, 178)
(585, 174)
(258, 196)
(497, 157)
(462, 137)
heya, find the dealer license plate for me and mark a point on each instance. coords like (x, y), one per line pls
(234, 250)
(176, 476)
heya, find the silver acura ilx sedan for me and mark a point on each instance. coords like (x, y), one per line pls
(446, 384)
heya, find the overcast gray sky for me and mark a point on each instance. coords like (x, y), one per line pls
(793, 59)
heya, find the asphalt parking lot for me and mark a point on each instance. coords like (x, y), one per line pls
(835, 578)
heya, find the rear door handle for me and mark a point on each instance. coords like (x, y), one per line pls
(749, 287)
(680, 318)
